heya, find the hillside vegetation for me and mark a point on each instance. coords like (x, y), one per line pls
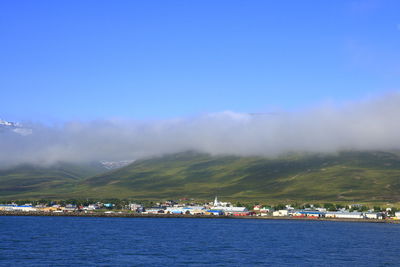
(345, 176)
(365, 176)
(29, 181)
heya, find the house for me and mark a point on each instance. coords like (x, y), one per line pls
(70, 208)
(265, 210)
(321, 209)
(355, 206)
(135, 207)
(93, 207)
(257, 207)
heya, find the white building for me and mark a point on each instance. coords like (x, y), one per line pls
(373, 215)
(197, 211)
(226, 207)
(177, 210)
(153, 211)
(344, 215)
(217, 203)
(280, 213)
(257, 207)
(228, 210)
(135, 207)
(91, 207)
(13, 207)
(265, 210)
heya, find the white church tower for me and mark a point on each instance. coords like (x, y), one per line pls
(216, 203)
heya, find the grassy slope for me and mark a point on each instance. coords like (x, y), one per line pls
(358, 176)
(347, 176)
(25, 181)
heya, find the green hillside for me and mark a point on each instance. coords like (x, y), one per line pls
(363, 176)
(345, 176)
(25, 181)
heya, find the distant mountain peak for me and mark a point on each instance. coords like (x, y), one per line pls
(14, 127)
(8, 123)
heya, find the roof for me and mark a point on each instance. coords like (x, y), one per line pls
(344, 213)
(311, 212)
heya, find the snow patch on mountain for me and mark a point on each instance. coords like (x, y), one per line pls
(14, 127)
(111, 165)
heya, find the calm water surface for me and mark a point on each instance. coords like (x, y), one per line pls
(65, 241)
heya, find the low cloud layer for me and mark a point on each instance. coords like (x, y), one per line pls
(365, 125)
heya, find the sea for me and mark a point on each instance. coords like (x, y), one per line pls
(83, 241)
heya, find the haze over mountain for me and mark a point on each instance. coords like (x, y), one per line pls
(370, 124)
(325, 153)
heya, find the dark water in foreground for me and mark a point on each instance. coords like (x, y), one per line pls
(66, 241)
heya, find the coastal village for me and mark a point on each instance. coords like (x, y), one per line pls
(214, 208)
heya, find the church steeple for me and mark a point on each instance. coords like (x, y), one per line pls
(216, 201)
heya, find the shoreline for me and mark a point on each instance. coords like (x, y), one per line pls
(137, 215)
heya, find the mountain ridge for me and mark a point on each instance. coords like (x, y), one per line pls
(342, 176)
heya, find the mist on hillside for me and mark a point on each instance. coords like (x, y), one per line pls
(371, 124)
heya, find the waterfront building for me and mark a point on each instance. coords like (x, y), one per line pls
(215, 212)
(70, 208)
(265, 210)
(226, 207)
(344, 215)
(48, 209)
(373, 215)
(280, 213)
(244, 213)
(307, 213)
(154, 211)
(92, 207)
(14, 207)
(197, 211)
(135, 207)
(217, 203)
(177, 210)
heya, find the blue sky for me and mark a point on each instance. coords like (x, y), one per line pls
(68, 60)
